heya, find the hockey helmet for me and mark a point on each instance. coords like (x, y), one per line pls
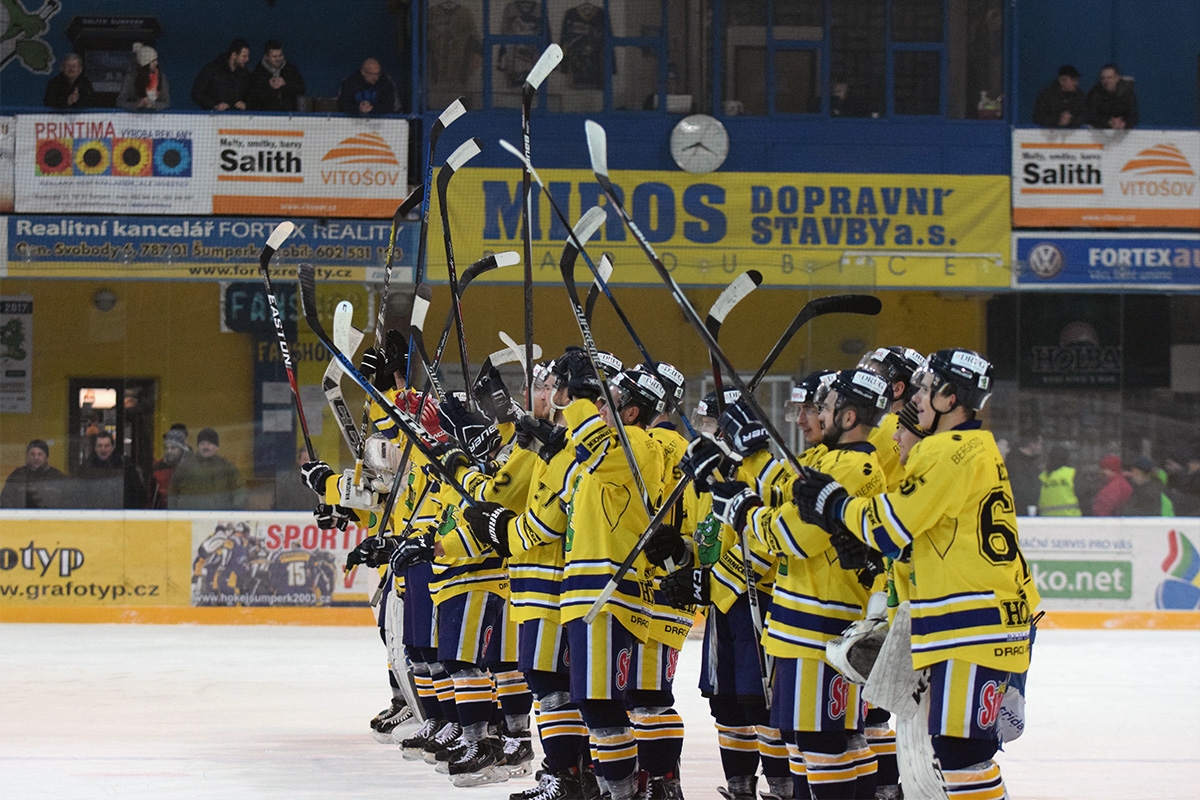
(640, 388)
(861, 389)
(673, 380)
(964, 371)
(805, 392)
(896, 364)
(708, 407)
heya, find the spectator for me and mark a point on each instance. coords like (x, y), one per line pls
(291, 492)
(276, 83)
(1148, 498)
(70, 89)
(367, 92)
(1057, 497)
(175, 449)
(145, 86)
(1183, 480)
(1112, 103)
(37, 484)
(107, 479)
(844, 103)
(206, 480)
(223, 82)
(1061, 104)
(1112, 497)
(1024, 465)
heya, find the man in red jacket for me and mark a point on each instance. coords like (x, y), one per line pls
(1116, 490)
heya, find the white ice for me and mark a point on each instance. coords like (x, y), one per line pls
(141, 712)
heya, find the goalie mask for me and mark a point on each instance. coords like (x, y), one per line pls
(960, 372)
(381, 460)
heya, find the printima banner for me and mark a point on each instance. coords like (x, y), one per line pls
(828, 230)
(1105, 179)
(210, 164)
(1127, 261)
(198, 248)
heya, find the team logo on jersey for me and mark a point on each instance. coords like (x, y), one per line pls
(624, 665)
(839, 697)
(487, 638)
(990, 696)
(708, 537)
(672, 663)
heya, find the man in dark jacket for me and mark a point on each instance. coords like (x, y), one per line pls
(1147, 498)
(207, 480)
(223, 82)
(70, 89)
(1062, 103)
(1112, 102)
(1024, 465)
(276, 83)
(35, 485)
(107, 479)
(367, 92)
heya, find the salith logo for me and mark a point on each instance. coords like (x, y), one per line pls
(364, 159)
(1144, 171)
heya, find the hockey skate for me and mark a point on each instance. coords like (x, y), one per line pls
(664, 788)
(553, 786)
(448, 755)
(482, 763)
(392, 724)
(413, 748)
(440, 740)
(779, 789)
(740, 788)
(518, 754)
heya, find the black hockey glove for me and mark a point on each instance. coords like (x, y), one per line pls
(371, 363)
(705, 454)
(493, 397)
(554, 444)
(820, 499)
(374, 551)
(314, 474)
(452, 457)
(332, 516)
(573, 369)
(871, 570)
(665, 544)
(410, 551)
(488, 523)
(533, 433)
(470, 429)
(687, 587)
(732, 501)
(745, 433)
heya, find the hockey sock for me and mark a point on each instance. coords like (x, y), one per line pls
(425, 691)
(739, 749)
(659, 735)
(829, 768)
(562, 732)
(473, 697)
(616, 749)
(866, 769)
(773, 752)
(882, 741)
(443, 684)
(980, 781)
(797, 768)
(515, 699)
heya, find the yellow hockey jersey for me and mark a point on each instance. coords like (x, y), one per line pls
(887, 450)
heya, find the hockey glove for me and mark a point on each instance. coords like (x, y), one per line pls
(314, 474)
(820, 499)
(470, 429)
(374, 551)
(489, 525)
(533, 433)
(452, 458)
(665, 544)
(687, 587)
(704, 455)
(732, 501)
(332, 516)
(413, 550)
(370, 363)
(574, 370)
(492, 396)
(743, 430)
(556, 441)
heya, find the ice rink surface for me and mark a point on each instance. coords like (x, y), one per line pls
(147, 712)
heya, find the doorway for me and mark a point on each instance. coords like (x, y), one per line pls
(122, 406)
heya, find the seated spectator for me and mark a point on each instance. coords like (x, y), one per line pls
(70, 89)
(175, 449)
(367, 92)
(1112, 103)
(1062, 103)
(223, 82)
(206, 480)
(1057, 498)
(37, 484)
(845, 103)
(1111, 499)
(109, 480)
(145, 86)
(276, 83)
(1148, 498)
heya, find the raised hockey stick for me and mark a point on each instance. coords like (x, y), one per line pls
(465, 152)
(551, 57)
(605, 268)
(347, 338)
(598, 150)
(282, 231)
(308, 302)
(866, 304)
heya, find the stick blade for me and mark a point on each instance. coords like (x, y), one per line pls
(597, 141)
(551, 57)
(282, 231)
(420, 305)
(464, 153)
(451, 113)
(733, 294)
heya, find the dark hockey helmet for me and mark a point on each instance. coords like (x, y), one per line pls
(965, 372)
(805, 392)
(895, 364)
(640, 388)
(708, 407)
(861, 389)
(671, 379)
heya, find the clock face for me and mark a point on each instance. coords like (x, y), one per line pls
(699, 143)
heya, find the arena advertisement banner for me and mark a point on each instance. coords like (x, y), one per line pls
(210, 164)
(199, 248)
(16, 354)
(1128, 261)
(1105, 179)
(1114, 564)
(909, 231)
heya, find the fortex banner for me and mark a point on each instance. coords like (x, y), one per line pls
(819, 229)
(1106, 179)
(210, 164)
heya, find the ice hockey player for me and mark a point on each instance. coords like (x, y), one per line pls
(896, 366)
(971, 594)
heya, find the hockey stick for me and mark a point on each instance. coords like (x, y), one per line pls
(282, 231)
(308, 302)
(347, 338)
(550, 58)
(597, 148)
(465, 152)
(865, 304)
(605, 267)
